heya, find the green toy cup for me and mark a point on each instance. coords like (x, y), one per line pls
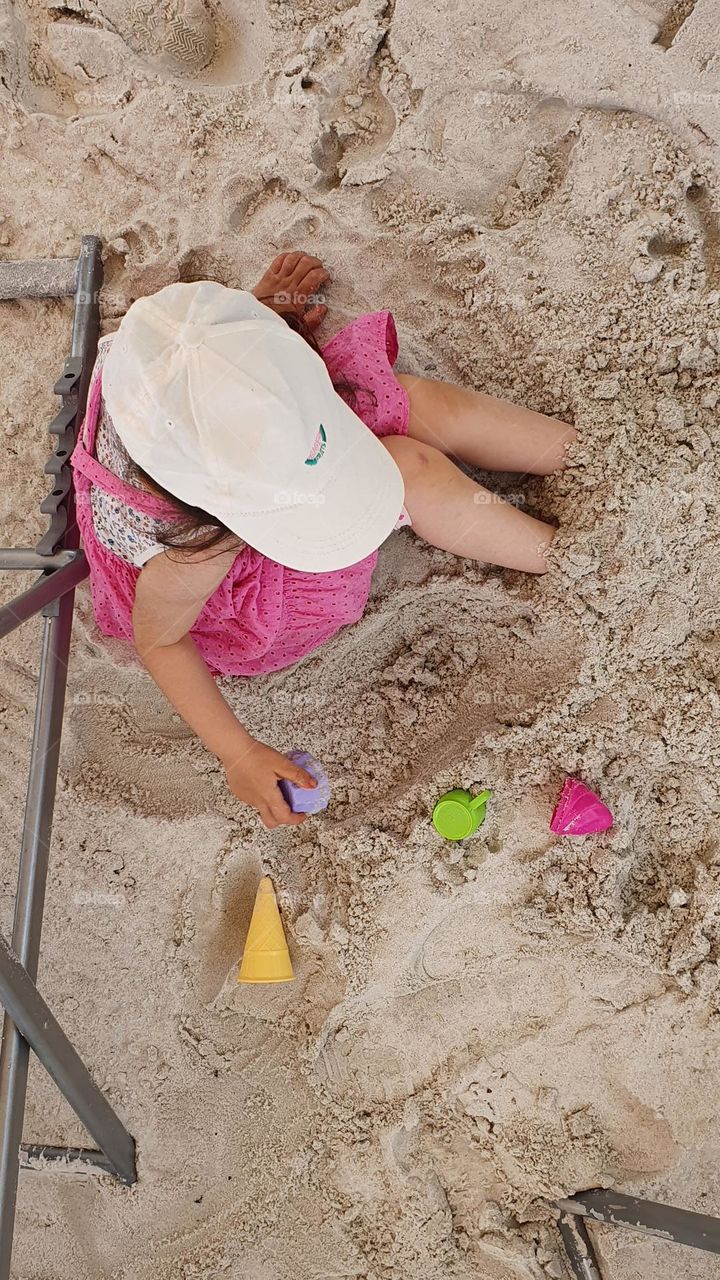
(457, 814)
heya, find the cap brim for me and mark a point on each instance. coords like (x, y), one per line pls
(320, 531)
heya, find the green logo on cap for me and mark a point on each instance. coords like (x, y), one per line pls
(318, 448)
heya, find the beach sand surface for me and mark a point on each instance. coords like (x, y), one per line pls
(474, 1029)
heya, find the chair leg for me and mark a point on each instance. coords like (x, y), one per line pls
(579, 1248)
(35, 1022)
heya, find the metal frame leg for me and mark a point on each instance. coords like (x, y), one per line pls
(55, 553)
(34, 1020)
(32, 875)
(683, 1226)
(50, 586)
(579, 1248)
(38, 1155)
(29, 558)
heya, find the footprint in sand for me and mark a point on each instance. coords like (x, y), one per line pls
(138, 261)
(183, 38)
(276, 212)
(177, 36)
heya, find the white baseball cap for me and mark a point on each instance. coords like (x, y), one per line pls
(230, 410)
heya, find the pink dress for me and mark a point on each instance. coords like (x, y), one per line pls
(263, 616)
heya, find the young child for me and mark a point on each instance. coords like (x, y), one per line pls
(234, 483)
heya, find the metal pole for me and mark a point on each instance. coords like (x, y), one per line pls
(665, 1220)
(38, 278)
(38, 1155)
(86, 316)
(579, 1248)
(29, 558)
(34, 1020)
(42, 780)
(49, 587)
(34, 853)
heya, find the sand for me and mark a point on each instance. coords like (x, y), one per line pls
(474, 1029)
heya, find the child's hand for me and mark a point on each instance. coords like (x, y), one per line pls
(253, 777)
(289, 284)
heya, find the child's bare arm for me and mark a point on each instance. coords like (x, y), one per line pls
(169, 597)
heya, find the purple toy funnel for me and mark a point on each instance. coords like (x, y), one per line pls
(579, 811)
(306, 799)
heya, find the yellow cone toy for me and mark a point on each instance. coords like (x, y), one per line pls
(266, 957)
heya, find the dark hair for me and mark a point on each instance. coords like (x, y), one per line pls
(198, 530)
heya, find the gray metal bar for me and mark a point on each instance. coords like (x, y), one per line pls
(42, 780)
(34, 1020)
(38, 278)
(36, 1155)
(75, 381)
(698, 1230)
(28, 558)
(29, 901)
(86, 316)
(579, 1248)
(49, 587)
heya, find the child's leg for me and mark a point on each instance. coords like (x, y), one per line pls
(451, 511)
(483, 430)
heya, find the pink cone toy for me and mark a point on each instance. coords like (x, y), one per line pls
(579, 811)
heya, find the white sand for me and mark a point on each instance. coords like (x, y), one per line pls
(474, 1029)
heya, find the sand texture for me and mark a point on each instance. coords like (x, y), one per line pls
(474, 1029)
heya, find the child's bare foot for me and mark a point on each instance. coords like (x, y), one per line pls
(290, 283)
